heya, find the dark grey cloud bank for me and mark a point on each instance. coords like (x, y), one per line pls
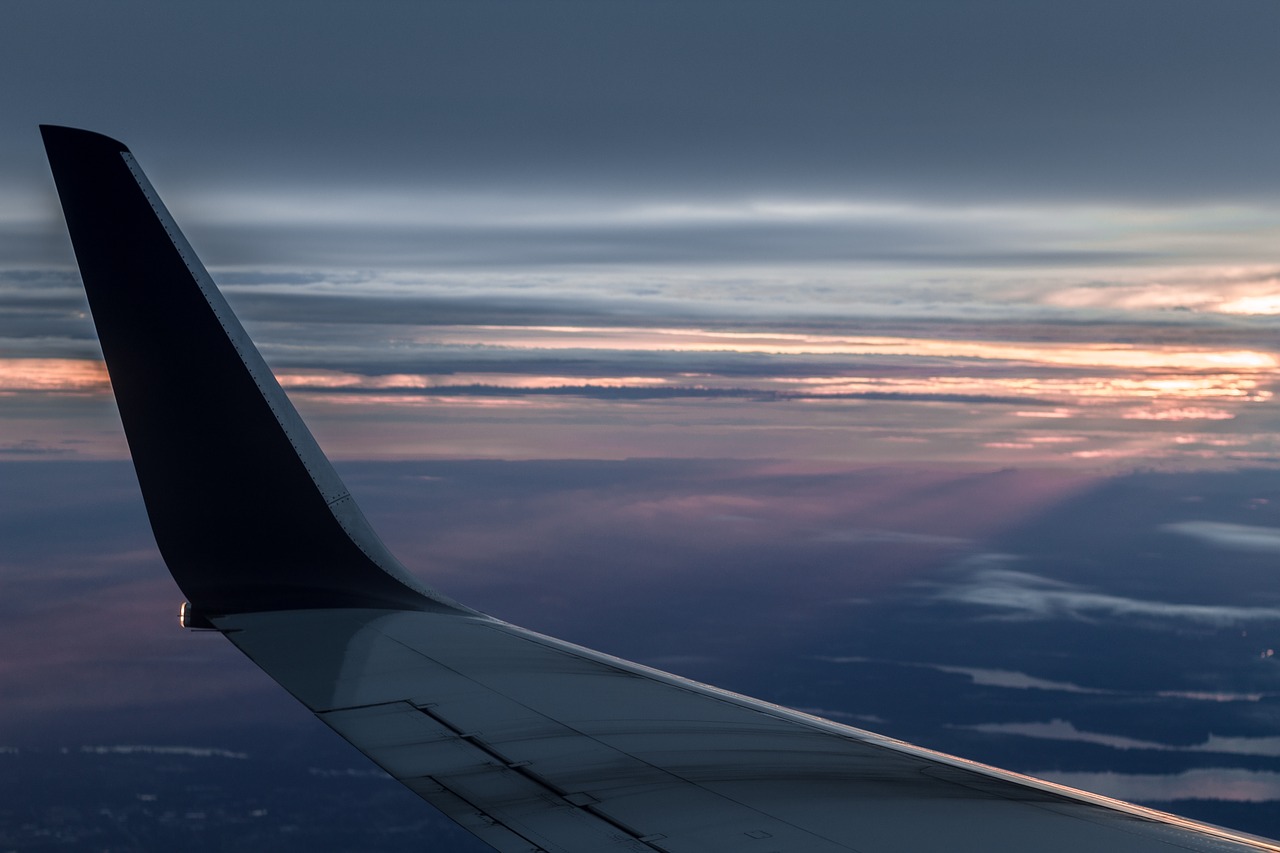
(331, 314)
(607, 155)
(1135, 100)
(688, 244)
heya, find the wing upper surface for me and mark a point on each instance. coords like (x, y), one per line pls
(536, 744)
(530, 742)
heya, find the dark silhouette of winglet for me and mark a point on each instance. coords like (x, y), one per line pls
(247, 511)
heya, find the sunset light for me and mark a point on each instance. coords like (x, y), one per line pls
(53, 375)
(781, 343)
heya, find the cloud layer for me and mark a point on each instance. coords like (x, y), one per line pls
(1268, 747)
(1031, 596)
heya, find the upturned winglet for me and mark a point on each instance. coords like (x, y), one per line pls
(248, 513)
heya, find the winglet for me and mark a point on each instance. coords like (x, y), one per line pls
(247, 511)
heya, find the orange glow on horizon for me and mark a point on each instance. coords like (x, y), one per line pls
(1181, 413)
(1083, 391)
(318, 378)
(971, 400)
(1120, 356)
(53, 375)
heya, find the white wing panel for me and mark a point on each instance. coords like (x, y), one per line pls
(558, 748)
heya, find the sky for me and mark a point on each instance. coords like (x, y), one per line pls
(1003, 233)
(961, 313)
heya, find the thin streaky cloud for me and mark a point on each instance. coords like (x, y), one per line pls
(187, 751)
(1032, 596)
(1233, 537)
(1118, 356)
(1059, 729)
(895, 537)
(1015, 680)
(983, 677)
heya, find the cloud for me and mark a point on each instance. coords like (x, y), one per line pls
(1058, 729)
(1032, 596)
(429, 227)
(52, 375)
(1233, 537)
(896, 537)
(1241, 290)
(984, 677)
(833, 714)
(1212, 783)
(1212, 695)
(408, 388)
(34, 448)
(1014, 680)
(349, 773)
(1063, 730)
(187, 751)
(1268, 746)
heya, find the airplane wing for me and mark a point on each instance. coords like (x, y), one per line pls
(529, 742)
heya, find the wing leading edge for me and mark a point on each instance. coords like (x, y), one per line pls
(531, 743)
